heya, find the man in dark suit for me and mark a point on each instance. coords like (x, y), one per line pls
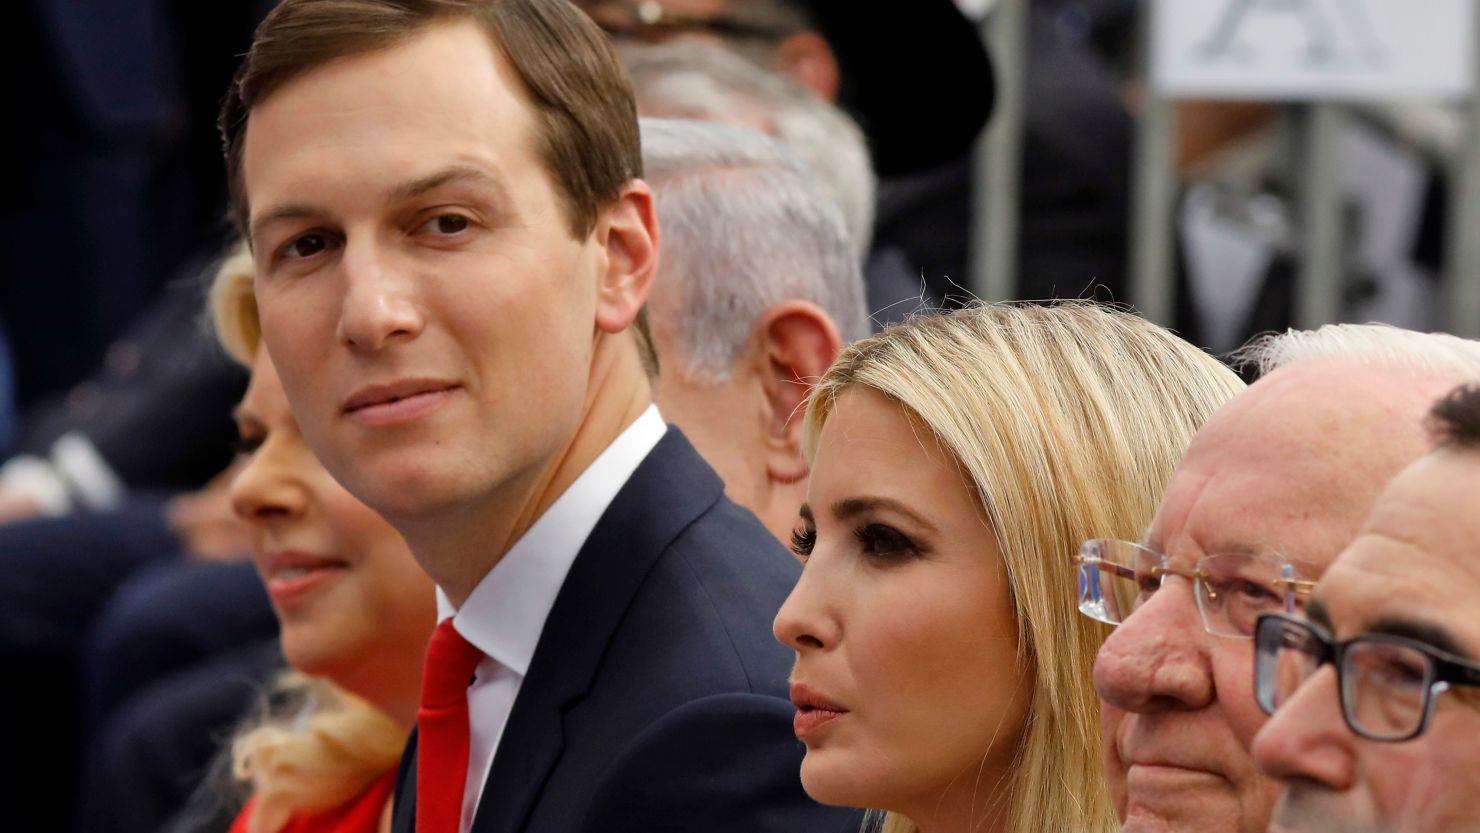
(453, 249)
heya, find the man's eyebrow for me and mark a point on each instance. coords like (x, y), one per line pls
(806, 512)
(290, 211)
(1429, 633)
(854, 506)
(449, 175)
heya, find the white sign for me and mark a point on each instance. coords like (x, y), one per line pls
(1313, 49)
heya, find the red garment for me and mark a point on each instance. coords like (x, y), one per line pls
(442, 730)
(360, 814)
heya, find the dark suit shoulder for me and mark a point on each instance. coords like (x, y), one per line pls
(733, 570)
(724, 762)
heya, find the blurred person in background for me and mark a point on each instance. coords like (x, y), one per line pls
(956, 459)
(757, 291)
(122, 186)
(689, 79)
(921, 87)
(1282, 476)
(836, 51)
(86, 594)
(1385, 739)
(355, 608)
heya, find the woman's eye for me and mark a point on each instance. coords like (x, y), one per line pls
(880, 541)
(802, 541)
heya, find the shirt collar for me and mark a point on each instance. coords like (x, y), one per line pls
(506, 612)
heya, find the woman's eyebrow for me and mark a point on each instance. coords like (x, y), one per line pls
(852, 507)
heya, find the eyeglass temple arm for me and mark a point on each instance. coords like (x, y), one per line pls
(1296, 589)
(1102, 564)
(1457, 671)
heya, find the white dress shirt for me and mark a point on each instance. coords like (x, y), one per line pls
(506, 612)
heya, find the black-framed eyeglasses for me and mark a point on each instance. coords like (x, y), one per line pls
(1387, 684)
(650, 21)
(1231, 589)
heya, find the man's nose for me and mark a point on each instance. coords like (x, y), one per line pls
(1307, 738)
(1158, 657)
(380, 302)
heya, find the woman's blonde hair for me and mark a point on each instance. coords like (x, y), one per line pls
(1069, 420)
(322, 749)
(233, 306)
(313, 745)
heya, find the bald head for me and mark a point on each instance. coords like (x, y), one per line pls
(1304, 451)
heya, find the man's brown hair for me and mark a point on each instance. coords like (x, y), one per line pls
(1455, 420)
(587, 134)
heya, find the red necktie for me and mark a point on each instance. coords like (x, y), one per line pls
(442, 730)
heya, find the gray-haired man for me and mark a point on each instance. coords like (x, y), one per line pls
(757, 291)
(1284, 474)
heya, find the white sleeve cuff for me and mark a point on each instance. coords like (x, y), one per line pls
(35, 478)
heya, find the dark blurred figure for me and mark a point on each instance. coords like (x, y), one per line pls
(7, 393)
(120, 179)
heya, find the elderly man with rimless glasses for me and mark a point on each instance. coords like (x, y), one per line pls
(1378, 694)
(1272, 488)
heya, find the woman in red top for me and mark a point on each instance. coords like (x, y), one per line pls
(355, 611)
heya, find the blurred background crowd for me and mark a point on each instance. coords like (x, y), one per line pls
(129, 617)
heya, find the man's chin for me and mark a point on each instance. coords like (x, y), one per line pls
(1193, 808)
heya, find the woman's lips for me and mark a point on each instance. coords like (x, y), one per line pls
(288, 589)
(291, 577)
(814, 711)
(809, 720)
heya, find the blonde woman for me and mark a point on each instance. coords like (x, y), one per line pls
(355, 610)
(943, 674)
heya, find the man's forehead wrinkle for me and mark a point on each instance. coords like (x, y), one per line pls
(1220, 496)
(1420, 539)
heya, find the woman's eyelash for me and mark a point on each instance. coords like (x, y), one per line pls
(802, 541)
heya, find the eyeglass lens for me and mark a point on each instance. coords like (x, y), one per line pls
(1384, 686)
(1116, 577)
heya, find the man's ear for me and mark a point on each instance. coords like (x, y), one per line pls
(799, 343)
(628, 232)
(810, 61)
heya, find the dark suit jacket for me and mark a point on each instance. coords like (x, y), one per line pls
(158, 410)
(656, 699)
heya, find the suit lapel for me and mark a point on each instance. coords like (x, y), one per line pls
(403, 814)
(670, 489)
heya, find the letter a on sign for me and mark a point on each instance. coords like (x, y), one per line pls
(1313, 49)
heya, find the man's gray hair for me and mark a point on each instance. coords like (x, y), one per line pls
(1379, 345)
(706, 81)
(745, 226)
